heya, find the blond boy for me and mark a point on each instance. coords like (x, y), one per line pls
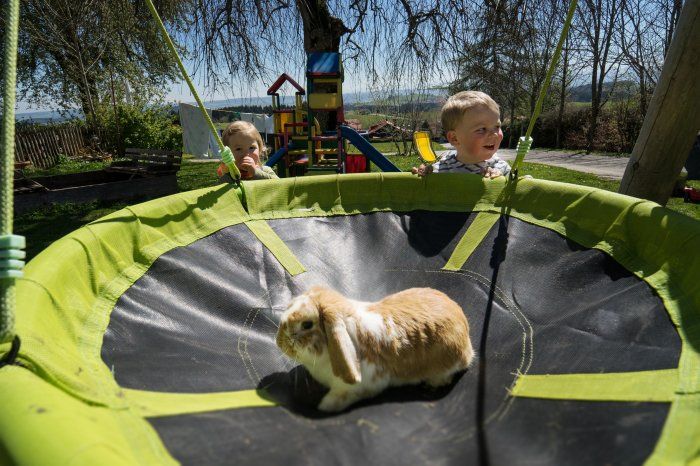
(472, 123)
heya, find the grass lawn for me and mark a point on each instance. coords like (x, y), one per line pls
(43, 226)
(394, 148)
(64, 167)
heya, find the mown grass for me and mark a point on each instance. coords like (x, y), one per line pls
(66, 165)
(394, 148)
(369, 119)
(43, 226)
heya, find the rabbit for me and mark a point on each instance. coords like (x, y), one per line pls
(357, 349)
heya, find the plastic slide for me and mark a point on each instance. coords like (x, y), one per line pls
(368, 149)
(274, 158)
(421, 140)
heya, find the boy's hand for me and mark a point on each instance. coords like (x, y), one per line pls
(492, 173)
(422, 170)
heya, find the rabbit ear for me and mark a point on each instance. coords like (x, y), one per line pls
(344, 360)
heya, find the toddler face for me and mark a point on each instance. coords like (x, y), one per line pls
(244, 145)
(478, 136)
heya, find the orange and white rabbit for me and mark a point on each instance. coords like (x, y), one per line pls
(358, 349)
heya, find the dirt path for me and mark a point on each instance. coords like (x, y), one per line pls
(600, 165)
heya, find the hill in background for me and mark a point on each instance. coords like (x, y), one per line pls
(622, 90)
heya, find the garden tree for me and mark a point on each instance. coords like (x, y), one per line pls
(384, 40)
(632, 42)
(672, 121)
(671, 13)
(545, 23)
(596, 23)
(642, 38)
(70, 51)
(381, 38)
(510, 57)
(568, 73)
(540, 43)
(493, 59)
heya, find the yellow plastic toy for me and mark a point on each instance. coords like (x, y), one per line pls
(421, 141)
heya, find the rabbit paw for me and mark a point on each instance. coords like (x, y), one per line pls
(334, 402)
(439, 380)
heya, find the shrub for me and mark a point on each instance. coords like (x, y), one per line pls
(619, 123)
(138, 126)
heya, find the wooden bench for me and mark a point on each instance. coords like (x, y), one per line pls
(148, 162)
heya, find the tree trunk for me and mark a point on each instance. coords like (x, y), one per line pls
(672, 121)
(87, 90)
(595, 109)
(322, 32)
(562, 93)
(595, 90)
(642, 93)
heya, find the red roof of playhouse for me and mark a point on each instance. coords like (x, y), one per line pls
(284, 77)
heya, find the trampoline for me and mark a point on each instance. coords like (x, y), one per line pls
(148, 336)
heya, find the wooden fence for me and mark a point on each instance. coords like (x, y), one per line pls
(43, 146)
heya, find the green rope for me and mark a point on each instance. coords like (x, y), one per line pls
(526, 141)
(11, 254)
(225, 155)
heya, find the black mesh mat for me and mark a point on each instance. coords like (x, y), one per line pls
(203, 320)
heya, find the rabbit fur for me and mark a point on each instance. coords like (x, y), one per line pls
(357, 349)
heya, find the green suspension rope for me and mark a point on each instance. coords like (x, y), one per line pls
(526, 141)
(226, 155)
(11, 246)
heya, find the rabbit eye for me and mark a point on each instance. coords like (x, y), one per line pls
(307, 324)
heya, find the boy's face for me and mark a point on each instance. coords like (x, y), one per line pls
(478, 136)
(244, 145)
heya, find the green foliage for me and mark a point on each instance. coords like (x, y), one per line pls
(65, 166)
(143, 126)
(619, 124)
(77, 54)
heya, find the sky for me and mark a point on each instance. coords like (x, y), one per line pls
(180, 92)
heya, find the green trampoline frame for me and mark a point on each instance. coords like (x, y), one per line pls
(65, 398)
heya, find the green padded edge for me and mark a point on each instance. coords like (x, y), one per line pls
(471, 239)
(43, 425)
(643, 386)
(62, 326)
(98, 263)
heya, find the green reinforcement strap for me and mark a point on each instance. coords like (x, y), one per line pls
(471, 239)
(526, 141)
(646, 386)
(159, 404)
(233, 169)
(267, 236)
(7, 284)
(679, 438)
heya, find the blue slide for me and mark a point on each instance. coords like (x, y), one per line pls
(368, 149)
(274, 158)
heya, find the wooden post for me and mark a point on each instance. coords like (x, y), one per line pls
(673, 120)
